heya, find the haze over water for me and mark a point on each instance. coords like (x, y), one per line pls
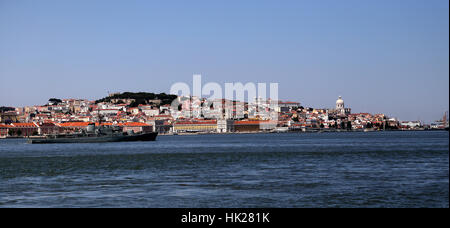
(376, 169)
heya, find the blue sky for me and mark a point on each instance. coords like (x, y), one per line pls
(382, 56)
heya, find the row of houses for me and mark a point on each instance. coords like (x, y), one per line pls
(161, 126)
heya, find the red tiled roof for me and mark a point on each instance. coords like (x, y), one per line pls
(23, 125)
(196, 122)
(104, 124)
(134, 124)
(74, 124)
(82, 124)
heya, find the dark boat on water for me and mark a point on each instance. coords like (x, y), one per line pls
(92, 135)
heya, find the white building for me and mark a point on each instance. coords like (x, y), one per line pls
(224, 125)
(410, 124)
(108, 111)
(340, 107)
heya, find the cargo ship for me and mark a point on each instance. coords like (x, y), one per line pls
(92, 134)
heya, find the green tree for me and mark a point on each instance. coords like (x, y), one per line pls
(5, 109)
(19, 132)
(55, 100)
(165, 98)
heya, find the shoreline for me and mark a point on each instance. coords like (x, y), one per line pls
(299, 132)
(268, 132)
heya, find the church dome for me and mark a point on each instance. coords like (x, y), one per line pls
(339, 101)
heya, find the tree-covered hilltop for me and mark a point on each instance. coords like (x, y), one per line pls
(54, 101)
(6, 109)
(140, 98)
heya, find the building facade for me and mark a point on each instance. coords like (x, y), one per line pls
(225, 126)
(24, 129)
(137, 127)
(254, 125)
(3, 130)
(410, 124)
(195, 126)
(48, 129)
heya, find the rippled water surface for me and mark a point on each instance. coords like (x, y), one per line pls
(374, 169)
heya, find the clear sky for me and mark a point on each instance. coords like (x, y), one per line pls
(381, 56)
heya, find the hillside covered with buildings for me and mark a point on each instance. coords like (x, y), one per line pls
(170, 114)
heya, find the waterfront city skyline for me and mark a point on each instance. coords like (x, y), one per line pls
(255, 104)
(381, 56)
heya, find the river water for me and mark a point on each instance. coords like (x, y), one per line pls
(371, 169)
